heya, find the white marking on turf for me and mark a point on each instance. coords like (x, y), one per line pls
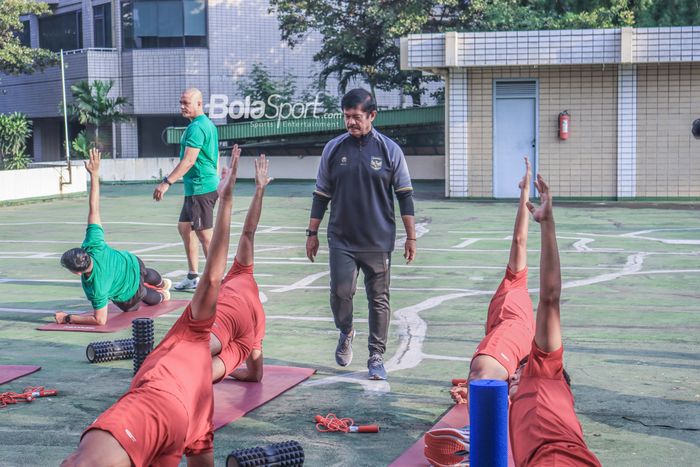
(157, 247)
(262, 297)
(467, 242)
(310, 279)
(446, 357)
(27, 310)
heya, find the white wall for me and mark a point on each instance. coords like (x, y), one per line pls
(40, 182)
(146, 169)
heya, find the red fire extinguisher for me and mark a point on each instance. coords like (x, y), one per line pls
(564, 125)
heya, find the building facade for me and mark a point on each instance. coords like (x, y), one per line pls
(631, 96)
(152, 50)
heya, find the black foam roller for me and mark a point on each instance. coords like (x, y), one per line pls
(143, 336)
(105, 351)
(286, 454)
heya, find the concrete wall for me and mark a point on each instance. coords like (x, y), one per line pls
(123, 170)
(583, 166)
(668, 157)
(40, 182)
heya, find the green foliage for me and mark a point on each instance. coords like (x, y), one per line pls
(651, 13)
(81, 145)
(15, 129)
(14, 57)
(93, 106)
(330, 103)
(359, 39)
(260, 85)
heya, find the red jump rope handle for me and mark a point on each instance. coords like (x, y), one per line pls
(319, 419)
(458, 381)
(364, 429)
(44, 393)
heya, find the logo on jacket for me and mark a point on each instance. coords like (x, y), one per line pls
(376, 163)
(344, 160)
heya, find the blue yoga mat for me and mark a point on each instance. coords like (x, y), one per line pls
(488, 414)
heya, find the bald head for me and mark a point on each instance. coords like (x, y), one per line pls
(191, 103)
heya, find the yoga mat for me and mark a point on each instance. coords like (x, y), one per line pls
(117, 319)
(488, 412)
(12, 372)
(456, 417)
(233, 399)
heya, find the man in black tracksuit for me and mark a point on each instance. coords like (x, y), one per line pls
(359, 174)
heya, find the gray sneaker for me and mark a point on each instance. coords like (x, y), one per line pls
(187, 284)
(375, 365)
(343, 352)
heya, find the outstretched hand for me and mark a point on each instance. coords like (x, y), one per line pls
(262, 177)
(525, 182)
(229, 174)
(542, 213)
(92, 165)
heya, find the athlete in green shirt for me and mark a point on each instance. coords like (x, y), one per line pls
(199, 157)
(105, 273)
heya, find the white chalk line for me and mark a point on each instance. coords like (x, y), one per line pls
(300, 284)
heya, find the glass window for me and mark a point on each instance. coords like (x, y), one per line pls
(152, 145)
(24, 35)
(64, 31)
(102, 25)
(164, 23)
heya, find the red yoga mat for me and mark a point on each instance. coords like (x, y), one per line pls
(12, 372)
(233, 399)
(456, 417)
(117, 319)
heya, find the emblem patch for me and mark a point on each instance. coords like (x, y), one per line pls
(344, 160)
(376, 163)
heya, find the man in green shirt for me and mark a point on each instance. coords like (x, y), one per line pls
(105, 273)
(199, 158)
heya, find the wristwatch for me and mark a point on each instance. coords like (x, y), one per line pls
(67, 319)
(165, 180)
(311, 233)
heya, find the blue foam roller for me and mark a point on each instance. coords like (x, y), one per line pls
(488, 418)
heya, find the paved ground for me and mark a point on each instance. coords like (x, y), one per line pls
(631, 317)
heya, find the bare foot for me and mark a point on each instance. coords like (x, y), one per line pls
(60, 317)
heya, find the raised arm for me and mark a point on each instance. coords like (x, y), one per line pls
(548, 325)
(204, 299)
(245, 251)
(518, 247)
(93, 168)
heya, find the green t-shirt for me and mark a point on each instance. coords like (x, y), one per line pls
(115, 274)
(202, 177)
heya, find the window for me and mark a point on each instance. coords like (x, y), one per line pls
(102, 25)
(151, 134)
(24, 35)
(63, 31)
(149, 24)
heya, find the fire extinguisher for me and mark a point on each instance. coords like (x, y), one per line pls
(564, 125)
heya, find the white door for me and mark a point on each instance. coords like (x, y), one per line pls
(514, 134)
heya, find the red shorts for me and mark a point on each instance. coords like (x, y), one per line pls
(151, 426)
(510, 325)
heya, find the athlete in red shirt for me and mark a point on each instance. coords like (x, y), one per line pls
(510, 324)
(510, 327)
(544, 429)
(239, 328)
(168, 408)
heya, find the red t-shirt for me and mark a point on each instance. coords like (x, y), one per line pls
(239, 307)
(544, 429)
(181, 366)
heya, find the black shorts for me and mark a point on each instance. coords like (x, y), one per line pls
(134, 303)
(199, 210)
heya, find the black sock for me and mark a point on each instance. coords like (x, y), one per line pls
(192, 275)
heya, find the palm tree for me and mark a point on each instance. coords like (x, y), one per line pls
(92, 106)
